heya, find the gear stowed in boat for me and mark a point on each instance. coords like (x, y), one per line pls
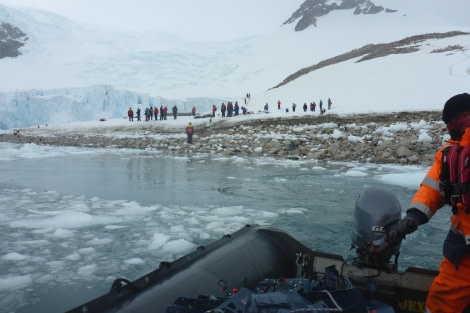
(260, 268)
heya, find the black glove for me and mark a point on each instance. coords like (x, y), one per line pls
(397, 232)
(406, 226)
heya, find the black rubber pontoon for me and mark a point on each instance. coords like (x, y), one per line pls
(241, 259)
(245, 258)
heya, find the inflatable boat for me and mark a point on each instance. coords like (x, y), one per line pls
(263, 269)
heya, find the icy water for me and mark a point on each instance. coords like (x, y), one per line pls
(73, 220)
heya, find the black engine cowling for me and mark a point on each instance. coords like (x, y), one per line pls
(375, 210)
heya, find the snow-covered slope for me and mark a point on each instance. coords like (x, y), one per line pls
(69, 71)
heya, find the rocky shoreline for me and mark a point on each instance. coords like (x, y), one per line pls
(394, 138)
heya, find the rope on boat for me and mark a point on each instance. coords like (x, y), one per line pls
(337, 308)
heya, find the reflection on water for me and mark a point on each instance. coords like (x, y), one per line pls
(80, 221)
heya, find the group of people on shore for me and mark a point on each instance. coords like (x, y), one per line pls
(151, 113)
(230, 109)
(227, 110)
(305, 107)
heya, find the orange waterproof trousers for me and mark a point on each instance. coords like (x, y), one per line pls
(450, 290)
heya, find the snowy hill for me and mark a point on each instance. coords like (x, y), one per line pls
(69, 71)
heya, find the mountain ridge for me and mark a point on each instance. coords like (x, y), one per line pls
(310, 10)
(372, 51)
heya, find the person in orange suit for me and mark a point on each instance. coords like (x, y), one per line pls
(190, 132)
(450, 290)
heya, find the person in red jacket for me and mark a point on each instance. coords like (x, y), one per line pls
(450, 290)
(130, 114)
(190, 132)
(214, 109)
(155, 112)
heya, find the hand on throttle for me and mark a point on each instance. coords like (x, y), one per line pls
(396, 233)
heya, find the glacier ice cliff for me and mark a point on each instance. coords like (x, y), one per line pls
(22, 109)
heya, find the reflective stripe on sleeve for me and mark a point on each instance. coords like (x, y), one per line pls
(422, 208)
(434, 184)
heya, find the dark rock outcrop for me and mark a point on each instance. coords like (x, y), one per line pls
(310, 10)
(11, 40)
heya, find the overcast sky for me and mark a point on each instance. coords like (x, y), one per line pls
(227, 19)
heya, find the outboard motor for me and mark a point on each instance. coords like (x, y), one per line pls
(376, 209)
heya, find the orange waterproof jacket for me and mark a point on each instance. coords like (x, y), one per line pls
(428, 198)
(190, 129)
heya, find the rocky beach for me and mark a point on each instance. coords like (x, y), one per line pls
(395, 138)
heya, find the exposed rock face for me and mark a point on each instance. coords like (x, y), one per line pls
(310, 10)
(399, 138)
(371, 51)
(11, 40)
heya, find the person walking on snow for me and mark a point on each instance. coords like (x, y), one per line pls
(223, 108)
(450, 290)
(190, 132)
(155, 112)
(130, 114)
(214, 109)
(147, 114)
